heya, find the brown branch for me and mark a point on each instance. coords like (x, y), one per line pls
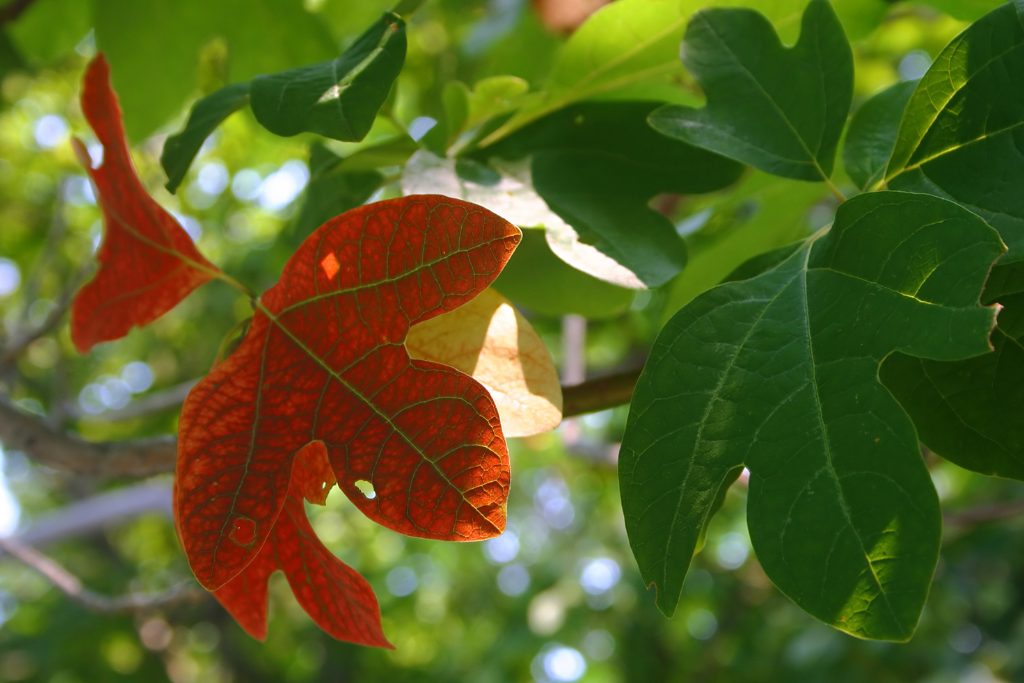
(13, 10)
(599, 394)
(21, 431)
(73, 588)
(996, 512)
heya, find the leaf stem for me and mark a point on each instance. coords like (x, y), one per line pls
(835, 190)
(221, 275)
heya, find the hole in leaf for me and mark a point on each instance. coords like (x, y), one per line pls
(366, 488)
(243, 530)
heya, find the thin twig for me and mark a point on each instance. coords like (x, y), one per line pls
(599, 394)
(73, 588)
(996, 512)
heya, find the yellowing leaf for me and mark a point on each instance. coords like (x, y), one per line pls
(488, 339)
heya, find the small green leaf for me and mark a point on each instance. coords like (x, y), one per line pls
(181, 148)
(780, 373)
(598, 164)
(338, 99)
(538, 280)
(779, 109)
(963, 129)
(872, 134)
(969, 411)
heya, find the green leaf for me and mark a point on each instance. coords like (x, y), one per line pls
(872, 134)
(963, 129)
(154, 46)
(969, 412)
(780, 373)
(779, 109)
(624, 45)
(538, 280)
(181, 148)
(49, 29)
(333, 189)
(763, 213)
(337, 99)
(597, 165)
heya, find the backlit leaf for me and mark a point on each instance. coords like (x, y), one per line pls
(540, 281)
(513, 197)
(779, 109)
(488, 339)
(779, 373)
(181, 148)
(337, 99)
(324, 360)
(148, 262)
(598, 164)
(337, 598)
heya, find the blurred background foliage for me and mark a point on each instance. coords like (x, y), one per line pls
(557, 597)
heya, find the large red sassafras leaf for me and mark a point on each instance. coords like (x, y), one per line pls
(148, 263)
(338, 599)
(324, 360)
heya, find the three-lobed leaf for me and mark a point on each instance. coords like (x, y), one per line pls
(779, 373)
(779, 109)
(148, 262)
(324, 360)
(963, 129)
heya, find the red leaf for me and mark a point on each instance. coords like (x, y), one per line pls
(324, 360)
(338, 599)
(148, 263)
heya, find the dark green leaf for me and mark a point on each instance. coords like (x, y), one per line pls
(538, 280)
(872, 134)
(598, 164)
(333, 189)
(779, 109)
(337, 99)
(970, 412)
(963, 130)
(780, 373)
(181, 148)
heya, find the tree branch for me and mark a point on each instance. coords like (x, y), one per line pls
(73, 588)
(984, 513)
(138, 459)
(599, 394)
